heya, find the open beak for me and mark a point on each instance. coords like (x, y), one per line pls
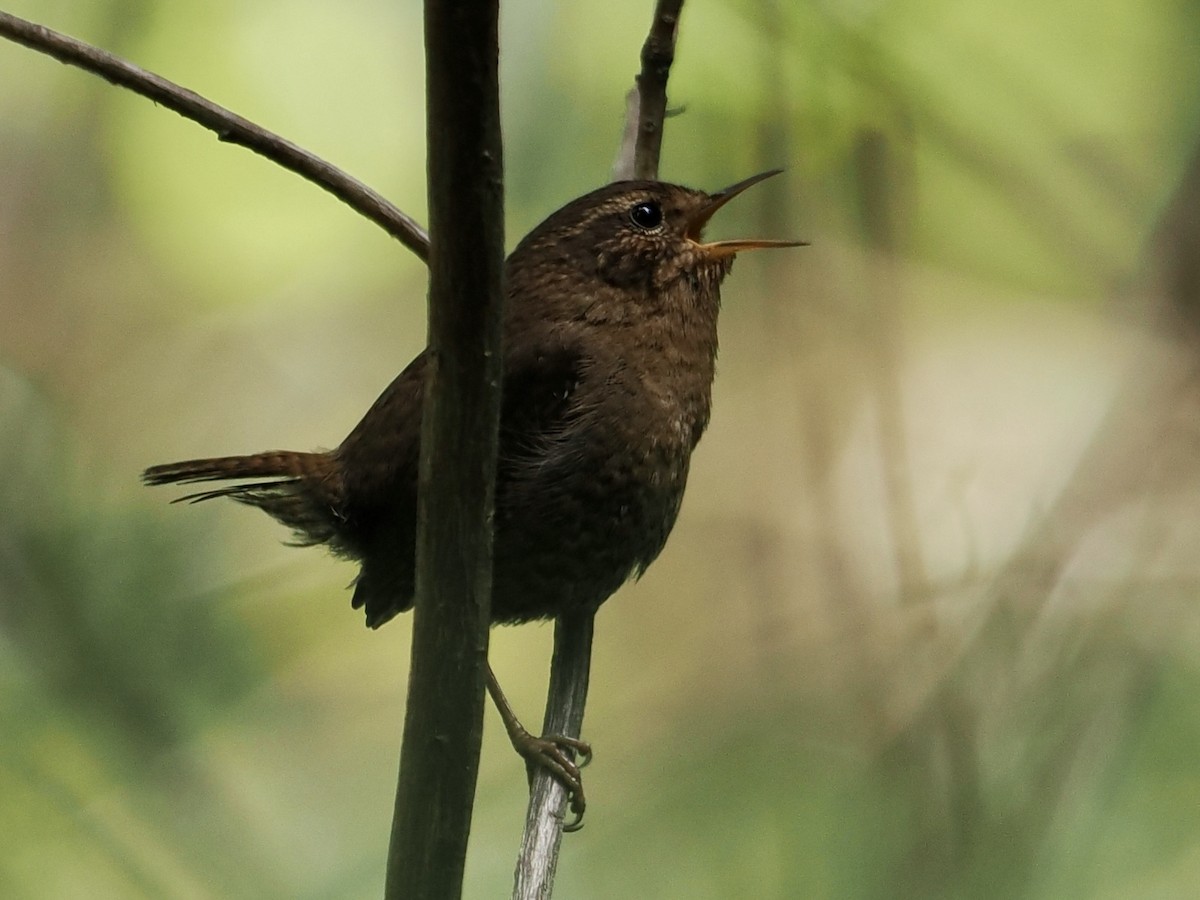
(720, 249)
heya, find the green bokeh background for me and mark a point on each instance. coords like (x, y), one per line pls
(929, 625)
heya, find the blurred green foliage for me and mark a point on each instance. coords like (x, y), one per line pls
(930, 623)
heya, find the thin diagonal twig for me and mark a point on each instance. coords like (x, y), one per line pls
(228, 126)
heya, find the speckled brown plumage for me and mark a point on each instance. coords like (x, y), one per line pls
(610, 342)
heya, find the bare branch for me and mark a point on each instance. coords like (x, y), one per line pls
(547, 797)
(622, 167)
(641, 144)
(658, 53)
(229, 127)
(443, 723)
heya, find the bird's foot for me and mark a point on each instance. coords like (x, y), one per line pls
(556, 754)
(553, 752)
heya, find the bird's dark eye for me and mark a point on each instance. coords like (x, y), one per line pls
(646, 215)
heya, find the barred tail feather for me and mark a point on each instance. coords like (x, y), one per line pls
(304, 493)
(275, 464)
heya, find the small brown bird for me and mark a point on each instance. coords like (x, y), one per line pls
(610, 339)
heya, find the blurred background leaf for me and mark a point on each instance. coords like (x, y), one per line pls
(929, 625)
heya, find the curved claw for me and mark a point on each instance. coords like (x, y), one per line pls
(584, 749)
(553, 752)
(577, 807)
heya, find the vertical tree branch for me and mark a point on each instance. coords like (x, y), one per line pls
(569, 668)
(443, 723)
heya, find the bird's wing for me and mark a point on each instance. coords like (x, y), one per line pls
(541, 409)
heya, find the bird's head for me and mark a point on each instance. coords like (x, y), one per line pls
(637, 235)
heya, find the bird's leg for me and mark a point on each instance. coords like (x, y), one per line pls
(553, 752)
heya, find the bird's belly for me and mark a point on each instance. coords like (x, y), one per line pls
(568, 539)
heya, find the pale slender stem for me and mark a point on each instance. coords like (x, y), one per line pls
(641, 146)
(565, 703)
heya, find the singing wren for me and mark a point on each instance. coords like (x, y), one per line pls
(610, 341)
